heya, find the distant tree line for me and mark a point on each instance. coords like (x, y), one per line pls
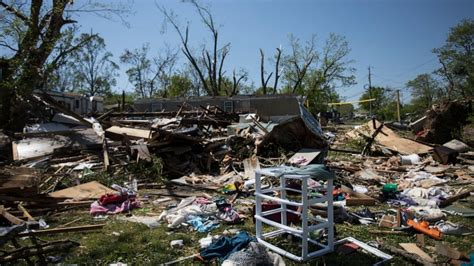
(46, 51)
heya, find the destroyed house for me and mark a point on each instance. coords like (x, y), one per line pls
(268, 107)
(79, 103)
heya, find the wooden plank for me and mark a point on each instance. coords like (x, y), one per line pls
(393, 141)
(62, 230)
(91, 190)
(357, 199)
(454, 198)
(130, 132)
(11, 218)
(414, 249)
(26, 213)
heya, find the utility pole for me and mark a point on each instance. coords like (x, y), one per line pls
(398, 106)
(370, 93)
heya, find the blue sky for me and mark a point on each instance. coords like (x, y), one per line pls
(394, 37)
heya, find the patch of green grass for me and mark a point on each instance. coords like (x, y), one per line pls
(136, 244)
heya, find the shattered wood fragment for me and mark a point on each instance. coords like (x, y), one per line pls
(456, 197)
(11, 218)
(366, 149)
(391, 140)
(26, 213)
(357, 199)
(414, 249)
(62, 230)
(409, 256)
(136, 133)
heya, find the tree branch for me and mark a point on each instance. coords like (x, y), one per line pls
(15, 12)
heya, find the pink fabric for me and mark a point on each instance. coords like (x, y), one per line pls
(113, 208)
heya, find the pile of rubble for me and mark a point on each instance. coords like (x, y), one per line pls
(198, 166)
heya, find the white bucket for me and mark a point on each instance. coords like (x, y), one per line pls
(409, 159)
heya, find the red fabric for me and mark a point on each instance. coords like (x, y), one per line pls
(112, 198)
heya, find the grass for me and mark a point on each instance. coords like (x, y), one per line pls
(136, 244)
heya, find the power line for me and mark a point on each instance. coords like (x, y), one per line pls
(416, 67)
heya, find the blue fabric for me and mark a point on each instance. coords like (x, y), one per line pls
(201, 225)
(225, 246)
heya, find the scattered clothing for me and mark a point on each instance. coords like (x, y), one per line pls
(202, 225)
(223, 247)
(124, 200)
(254, 254)
(195, 211)
(113, 208)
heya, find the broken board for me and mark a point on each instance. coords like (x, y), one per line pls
(392, 141)
(414, 249)
(91, 190)
(357, 199)
(131, 132)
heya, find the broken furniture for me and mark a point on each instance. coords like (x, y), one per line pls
(306, 229)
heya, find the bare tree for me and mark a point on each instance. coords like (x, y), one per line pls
(264, 79)
(277, 71)
(262, 73)
(299, 61)
(336, 69)
(140, 70)
(164, 67)
(212, 74)
(236, 79)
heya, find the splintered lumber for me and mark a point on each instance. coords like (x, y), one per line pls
(409, 256)
(19, 181)
(392, 141)
(12, 219)
(39, 249)
(414, 249)
(372, 138)
(357, 199)
(26, 213)
(454, 198)
(130, 132)
(62, 230)
(90, 190)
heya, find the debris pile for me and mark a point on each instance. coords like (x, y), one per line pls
(195, 170)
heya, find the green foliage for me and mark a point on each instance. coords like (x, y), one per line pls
(377, 93)
(92, 65)
(139, 72)
(152, 171)
(180, 85)
(116, 97)
(457, 60)
(384, 107)
(424, 90)
(317, 74)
